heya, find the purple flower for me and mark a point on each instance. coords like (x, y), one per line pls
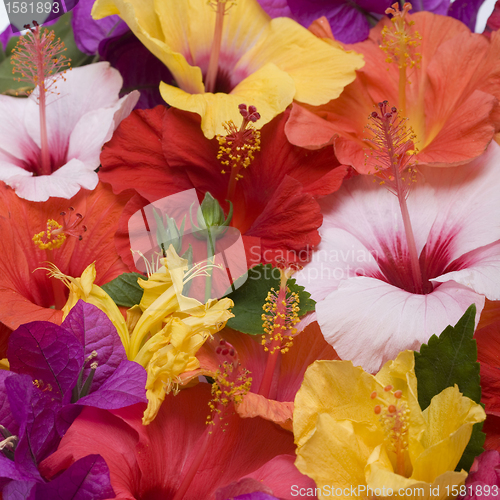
(55, 370)
(114, 42)
(350, 20)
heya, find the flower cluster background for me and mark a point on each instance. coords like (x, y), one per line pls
(250, 249)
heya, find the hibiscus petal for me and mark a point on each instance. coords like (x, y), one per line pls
(13, 151)
(96, 128)
(83, 90)
(269, 89)
(462, 223)
(65, 182)
(480, 270)
(390, 320)
(333, 67)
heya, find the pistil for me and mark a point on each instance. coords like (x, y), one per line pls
(231, 384)
(280, 317)
(393, 147)
(238, 147)
(399, 44)
(220, 7)
(37, 56)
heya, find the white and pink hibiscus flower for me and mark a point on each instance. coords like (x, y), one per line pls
(81, 115)
(361, 275)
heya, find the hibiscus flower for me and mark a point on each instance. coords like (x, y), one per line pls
(157, 460)
(80, 118)
(367, 431)
(26, 291)
(162, 152)
(232, 52)
(451, 102)
(368, 307)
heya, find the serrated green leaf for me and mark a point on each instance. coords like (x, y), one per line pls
(251, 296)
(473, 449)
(124, 290)
(451, 359)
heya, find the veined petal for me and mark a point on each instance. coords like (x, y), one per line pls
(301, 56)
(337, 388)
(390, 320)
(334, 455)
(143, 20)
(64, 182)
(188, 28)
(380, 475)
(270, 89)
(468, 206)
(449, 419)
(480, 270)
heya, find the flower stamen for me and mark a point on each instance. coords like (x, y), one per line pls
(238, 147)
(36, 57)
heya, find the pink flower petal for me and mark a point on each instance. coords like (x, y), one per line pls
(370, 322)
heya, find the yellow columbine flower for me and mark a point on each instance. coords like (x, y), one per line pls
(165, 331)
(357, 430)
(223, 53)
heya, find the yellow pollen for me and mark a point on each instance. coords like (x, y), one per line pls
(398, 43)
(394, 417)
(52, 238)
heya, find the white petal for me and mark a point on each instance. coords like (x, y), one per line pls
(84, 89)
(64, 183)
(339, 256)
(481, 273)
(96, 128)
(369, 321)
(468, 204)
(16, 146)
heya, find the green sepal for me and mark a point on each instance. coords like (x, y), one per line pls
(251, 296)
(451, 359)
(124, 290)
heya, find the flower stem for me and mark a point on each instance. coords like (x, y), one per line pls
(272, 361)
(44, 142)
(213, 64)
(58, 287)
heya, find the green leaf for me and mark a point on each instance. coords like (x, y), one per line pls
(64, 31)
(124, 290)
(251, 296)
(451, 359)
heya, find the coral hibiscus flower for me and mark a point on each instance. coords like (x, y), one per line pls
(167, 456)
(451, 102)
(162, 152)
(367, 304)
(222, 53)
(26, 292)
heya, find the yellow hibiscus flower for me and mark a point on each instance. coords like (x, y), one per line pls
(224, 53)
(164, 332)
(361, 435)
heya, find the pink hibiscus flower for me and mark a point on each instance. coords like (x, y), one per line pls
(361, 277)
(80, 118)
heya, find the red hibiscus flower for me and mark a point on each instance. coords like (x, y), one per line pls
(161, 152)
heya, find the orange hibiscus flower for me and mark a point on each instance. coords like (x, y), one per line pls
(444, 79)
